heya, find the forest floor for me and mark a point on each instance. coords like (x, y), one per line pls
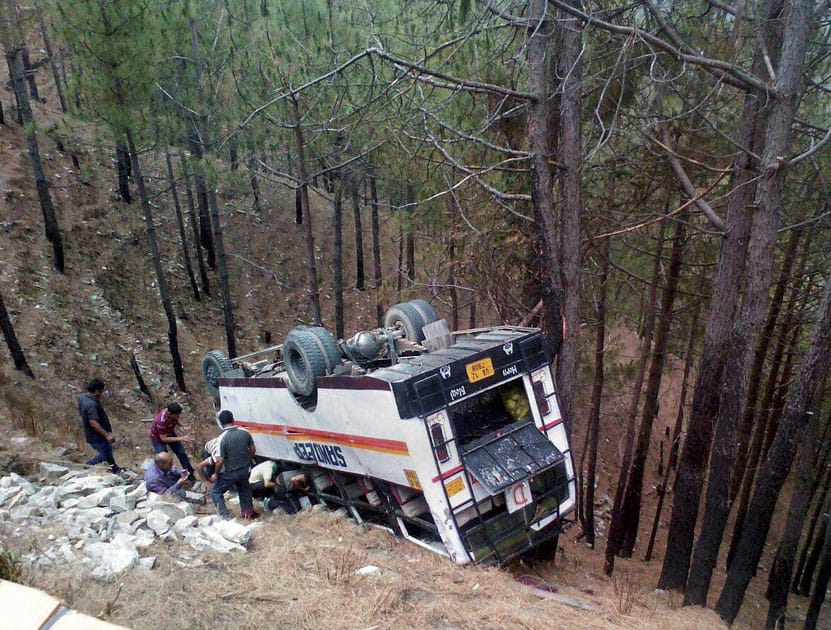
(300, 571)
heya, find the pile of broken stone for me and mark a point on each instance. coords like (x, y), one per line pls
(105, 523)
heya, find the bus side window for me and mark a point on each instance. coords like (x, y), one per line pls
(539, 394)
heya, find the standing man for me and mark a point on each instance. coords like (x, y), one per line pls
(163, 435)
(236, 448)
(97, 428)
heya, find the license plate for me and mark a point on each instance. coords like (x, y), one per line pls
(479, 370)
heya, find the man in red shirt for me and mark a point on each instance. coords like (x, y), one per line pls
(163, 435)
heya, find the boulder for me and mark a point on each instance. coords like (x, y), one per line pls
(122, 503)
(110, 559)
(99, 498)
(233, 531)
(185, 523)
(52, 471)
(159, 522)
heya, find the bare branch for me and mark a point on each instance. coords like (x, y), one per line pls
(727, 72)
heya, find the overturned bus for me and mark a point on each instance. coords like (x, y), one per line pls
(453, 440)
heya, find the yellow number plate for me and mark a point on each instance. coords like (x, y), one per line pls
(479, 370)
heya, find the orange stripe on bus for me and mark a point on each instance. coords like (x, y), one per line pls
(299, 434)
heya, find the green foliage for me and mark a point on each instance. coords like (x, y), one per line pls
(10, 568)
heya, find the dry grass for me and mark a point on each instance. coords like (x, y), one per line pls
(301, 573)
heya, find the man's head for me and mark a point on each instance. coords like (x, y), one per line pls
(174, 410)
(226, 418)
(164, 460)
(95, 387)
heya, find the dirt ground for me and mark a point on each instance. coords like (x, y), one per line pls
(300, 572)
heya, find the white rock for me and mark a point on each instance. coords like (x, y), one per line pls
(147, 564)
(126, 517)
(143, 538)
(110, 559)
(122, 503)
(234, 532)
(174, 511)
(209, 540)
(52, 471)
(367, 570)
(7, 494)
(159, 521)
(185, 523)
(99, 498)
(207, 521)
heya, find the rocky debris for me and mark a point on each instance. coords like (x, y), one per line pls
(105, 522)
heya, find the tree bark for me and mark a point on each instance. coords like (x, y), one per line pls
(821, 587)
(164, 294)
(376, 244)
(50, 52)
(122, 161)
(194, 226)
(676, 436)
(18, 356)
(14, 57)
(779, 577)
(360, 276)
(410, 235)
(788, 330)
(723, 300)
(181, 224)
(570, 161)
(542, 135)
(759, 356)
(812, 372)
(759, 276)
(337, 253)
(222, 269)
(589, 459)
(614, 545)
(311, 266)
(631, 506)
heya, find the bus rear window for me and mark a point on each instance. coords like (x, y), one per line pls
(490, 410)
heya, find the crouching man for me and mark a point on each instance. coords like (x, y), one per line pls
(162, 478)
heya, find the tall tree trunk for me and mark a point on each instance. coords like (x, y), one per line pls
(772, 476)
(194, 226)
(197, 142)
(813, 520)
(30, 75)
(820, 593)
(779, 577)
(542, 137)
(311, 267)
(150, 228)
(253, 180)
(723, 300)
(6, 327)
(410, 235)
(122, 161)
(376, 244)
(360, 276)
(50, 52)
(747, 326)
(181, 223)
(14, 56)
(765, 424)
(631, 506)
(222, 269)
(813, 557)
(676, 435)
(755, 380)
(337, 254)
(614, 544)
(570, 160)
(589, 458)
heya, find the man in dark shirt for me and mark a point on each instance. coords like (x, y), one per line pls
(97, 428)
(236, 448)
